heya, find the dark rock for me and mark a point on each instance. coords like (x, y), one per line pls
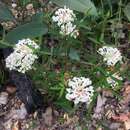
(25, 90)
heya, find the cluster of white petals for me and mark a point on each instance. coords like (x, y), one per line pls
(23, 57)
(111, 55)
(64, 17)
(80, 89)
(113, 80)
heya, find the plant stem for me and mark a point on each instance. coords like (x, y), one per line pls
(3, 37)
(102, 7)
(120, 11)
(5, 44)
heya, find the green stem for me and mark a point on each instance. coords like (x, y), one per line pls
(76, 107)
(120, 11)
(3, 37)
(103, 28)
(5, 44)
(102, 7)
(44, 53)
(87, 63)
(44, 4)
(40, 40)
(51, 56)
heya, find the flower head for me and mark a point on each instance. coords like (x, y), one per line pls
(80, 89)
(111, 55)
(64, 17)
(113, 81)
(69, 29)
(23, 56)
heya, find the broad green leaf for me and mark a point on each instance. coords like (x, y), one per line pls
(127, 11)
(24, 3)
(85, 6)
(29, 30)
(38, 17)
(73, 54)
(5, 13)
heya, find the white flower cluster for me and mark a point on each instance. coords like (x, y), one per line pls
(111, 55)
(80, 89)
(112, 81)
(64, 17)
(23, 57)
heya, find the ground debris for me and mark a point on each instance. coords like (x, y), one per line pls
(48, 116)
(99, 107)
(127, 125)
(3, 98)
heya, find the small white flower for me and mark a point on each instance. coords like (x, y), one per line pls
(27, 42)
(113, 83)
(64, 17)
(111, 55)
(69, 29)
(80, 89)
(23, 56)
(14, 5)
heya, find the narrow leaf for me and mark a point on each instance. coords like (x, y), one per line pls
(127, 11)
(84, 6)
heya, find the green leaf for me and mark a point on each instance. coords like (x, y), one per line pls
(61, 92)
(73, 54)
(38, 17)
(29, 30)
(127, 11)
(63, 103)
(5, 13)
(85, 6)
(24, 2)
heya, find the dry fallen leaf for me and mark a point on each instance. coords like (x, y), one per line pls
(99, 107)
(115, 126)
(127, 87)
(121, 117)
(18, 113)
(48, 116)
(3, 98)
(100, 102)
(8, 124)
(99, 128)
(120, 129)
(35, 115)
(127, 125)
(16, 126)
(107, 93)
(126, 96)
